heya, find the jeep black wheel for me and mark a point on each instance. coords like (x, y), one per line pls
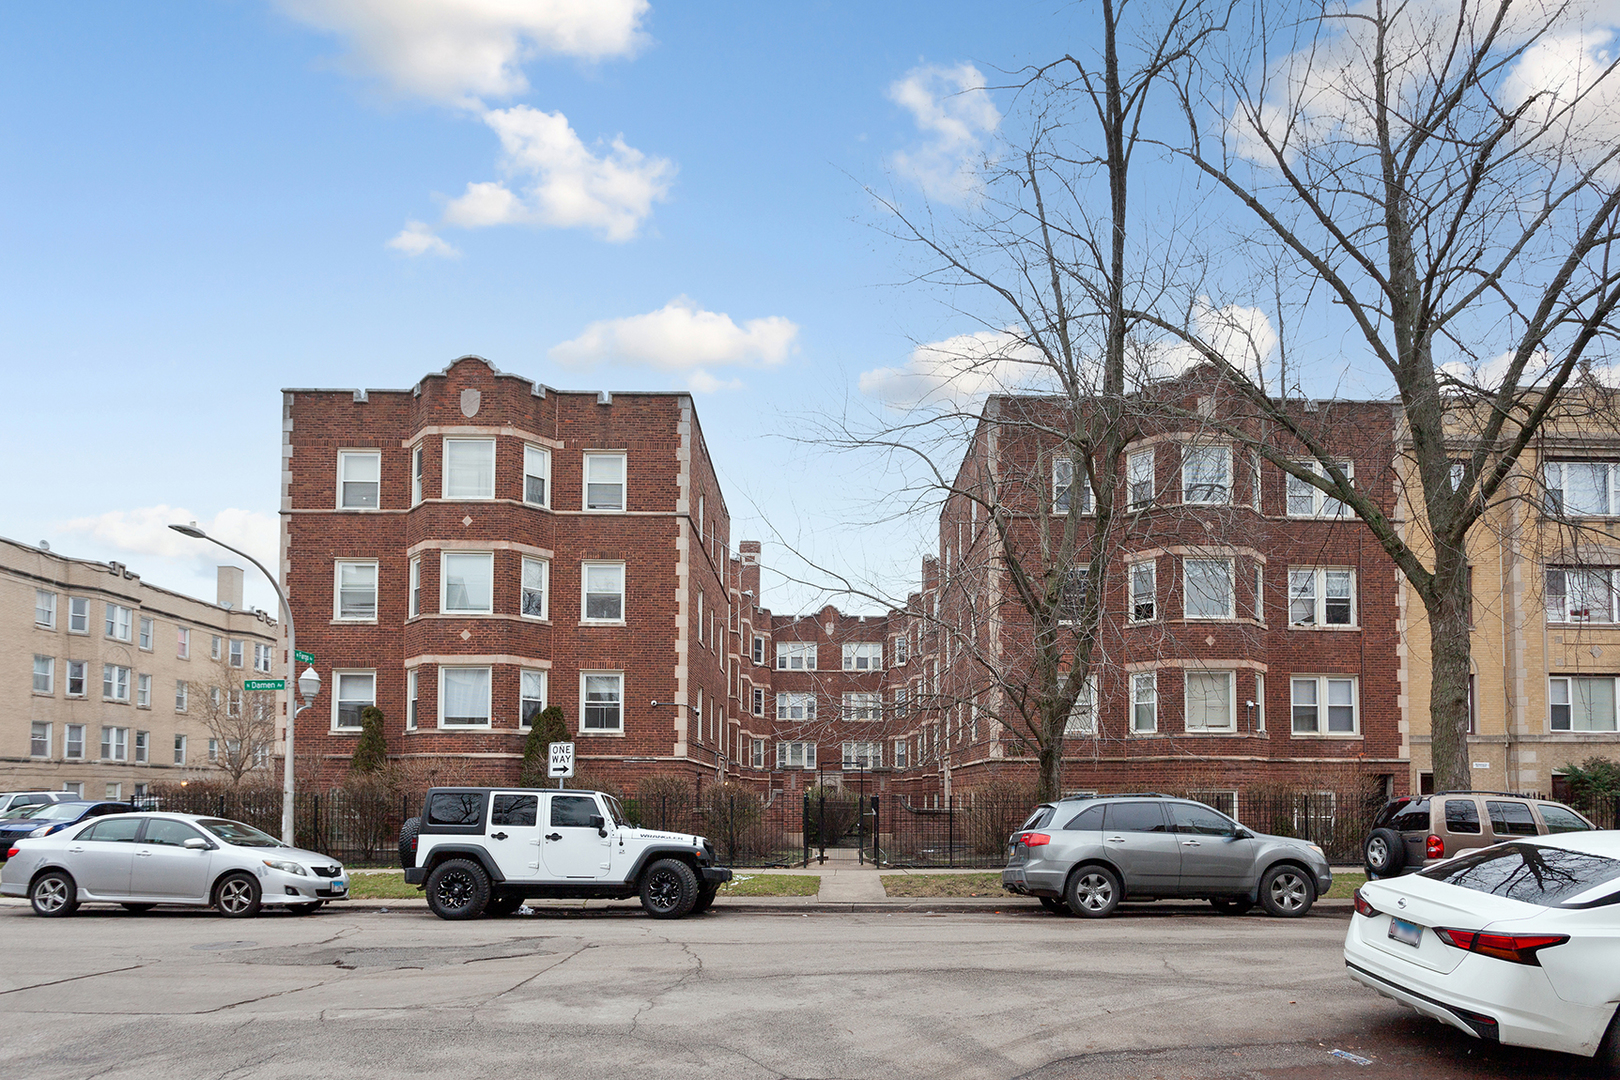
(705, 899)
(503, 904)
(669, 889)
(1054, 905)
(407, 842)
(458, 889)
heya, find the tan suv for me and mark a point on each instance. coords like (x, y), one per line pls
(1414, 831)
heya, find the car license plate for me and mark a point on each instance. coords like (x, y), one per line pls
(340, 887)
(1406, 933)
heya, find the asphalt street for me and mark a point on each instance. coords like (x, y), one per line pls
(1161, 990)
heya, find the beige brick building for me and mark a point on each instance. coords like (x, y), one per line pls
(104, 679)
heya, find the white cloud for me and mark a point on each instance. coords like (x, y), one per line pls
(1242, 335)
(952, 108)
(145, 531)
(960, 371)
(560, 182)
(418, 238)
(682, 337)
(459, 51)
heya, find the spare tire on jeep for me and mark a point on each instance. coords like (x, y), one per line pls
(1384, 853)
(407, 842)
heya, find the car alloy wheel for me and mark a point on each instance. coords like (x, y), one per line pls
(54, 894)
(1287, 892)
(238, 897)
(455, 890)
(1093, 892)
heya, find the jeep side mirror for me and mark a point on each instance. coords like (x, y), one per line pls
(599, 823)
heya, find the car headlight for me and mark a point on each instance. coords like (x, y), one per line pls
(286, 867)
(43, 830)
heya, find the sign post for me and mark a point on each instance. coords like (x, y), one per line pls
(562, 761)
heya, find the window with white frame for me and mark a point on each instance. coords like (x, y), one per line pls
(464, 697)
(1144, 591)
(262, 656)
(901, 650)
(604, 482)
(1072, 594)
(77, 678)
(531, 695)
(536, 475)
(863, 656)
(902, 702)
(238, 652)
(418, 464)
(44, 674)
(795, 656)
(1325, 705)
(213, 751)
(143, 747)
(795, 706)
(759, 700)
(1259, 701)
(78, 615)
(795, 755)
(1207, 588)
(1145, 701)
(1582, 488)
(700, 617)
(39, 740)
(115, 744)
(182, 695)
(1206, 474)
(862, 754)
(863, 706)
(145, 640)
(902, 753)
(73, 742)
(759, 649)
(1139, 478)
(1307, 500)
(1580, 595)
(1254, 481)
(143, 691)
(1063, 498)
(1257, 590)
(536, 576)
(359, 479)
(467, 582)
(120, 622)
(73, 789)
(354, 592)
(179, 749)
(182, 643)
(603, 586)
(469, 469)
(1581, 703)
(603, 695)
(233, 702)
(114, 682)
(1321, 596)
(757, 757)
(355, 690)
(216, 646)
(1223, 801)
(1211, 701)
(45, 609)
(1082, 718)
(413, 594)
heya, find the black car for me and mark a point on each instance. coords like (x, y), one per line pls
(53, 817)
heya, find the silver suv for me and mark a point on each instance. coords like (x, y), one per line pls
(1087, 854)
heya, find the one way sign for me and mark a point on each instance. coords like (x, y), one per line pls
(562, 760)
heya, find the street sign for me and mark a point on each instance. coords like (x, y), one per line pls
(562, 760)
(264, 684)
(303, 657)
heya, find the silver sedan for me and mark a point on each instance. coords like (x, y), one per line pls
(143, 860)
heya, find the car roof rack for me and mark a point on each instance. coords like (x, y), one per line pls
(1116, 795)
(1506, 794)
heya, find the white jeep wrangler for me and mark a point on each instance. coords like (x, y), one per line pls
(483, 851)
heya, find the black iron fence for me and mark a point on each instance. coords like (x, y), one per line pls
(358, 829)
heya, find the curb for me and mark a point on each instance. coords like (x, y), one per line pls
(810, 905)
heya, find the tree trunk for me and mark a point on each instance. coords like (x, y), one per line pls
(1447, 608)
(1050, 756)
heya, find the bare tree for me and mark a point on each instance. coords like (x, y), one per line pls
(240, 724)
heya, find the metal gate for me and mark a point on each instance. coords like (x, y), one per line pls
(838, 819)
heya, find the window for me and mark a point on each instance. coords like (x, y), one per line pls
(1206, 474)
(120, 622)
(1580, 595)
(700, 517)
(1338, 695)
(233, 702)
(759, 649)
(179, 749)
(114, 682)
(536, 475)
(356, 593)
(758, 759)
(1083, 713)
(902, 702)
(1258, 591)
(1211, 701)
(1307, 500)
(795, 755)
(902, 753)
(1144, 591)
(44, 674)
(1207, 588)
(143, 691)
(531, 696)
(1259, 703)
(901, 650)
(604, 481)
(359, 476)
(1581, 488)
(146, 633)
(1581, 704)
(73, 742)
(412, 698)
(469, 468)
(759, 701)
(1139, 477)
(45, 609)
(795, 706)
(603, 585)
(536, 575)
(180, 695)
(468, 582)
(115, 744)
(863, 656)
(1254, 486)
(1318, 596)
(417, 455)
(39, 740)
(795, 656)
(464, 697)
(863, 706)
(603, 694)
(413, 598)
(1072, 594)
(1145, 701)
(700, 616)
(1063, 488)
(77, 676)
(216, 646)
(238, 652)
(354, 692)
(143, 746)
(262, 655)
(78, 615)
(213, 751)
(182, 643)
(863, 755)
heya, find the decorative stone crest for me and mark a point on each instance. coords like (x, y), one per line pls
(470, 400)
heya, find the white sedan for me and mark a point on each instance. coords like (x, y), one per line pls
(1517, 943)
(142, 860)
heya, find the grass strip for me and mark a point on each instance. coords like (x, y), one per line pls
(924, 885)
(772, 885)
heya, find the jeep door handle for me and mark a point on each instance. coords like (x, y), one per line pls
(554, 836)
(497, 836)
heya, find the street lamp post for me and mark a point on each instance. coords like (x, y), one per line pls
(308, 686)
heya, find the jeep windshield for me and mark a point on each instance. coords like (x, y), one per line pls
(616, 817)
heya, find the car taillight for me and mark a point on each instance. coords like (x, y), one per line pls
(1364, 908)
(12, 854)
(1514, 948)
(1435, 848)
(1034, 839)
